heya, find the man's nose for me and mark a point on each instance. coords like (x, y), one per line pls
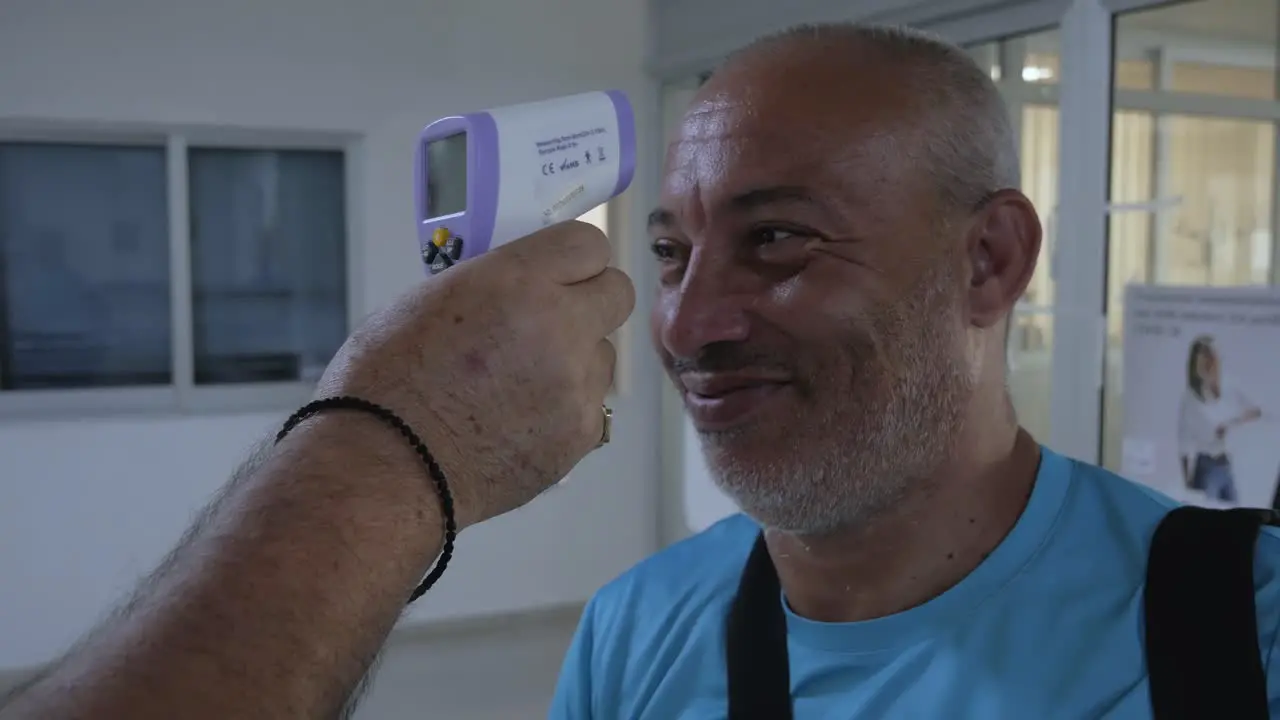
(711, 305)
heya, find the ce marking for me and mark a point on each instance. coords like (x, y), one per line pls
(548, 169)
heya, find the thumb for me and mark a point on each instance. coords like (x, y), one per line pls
(567, 252)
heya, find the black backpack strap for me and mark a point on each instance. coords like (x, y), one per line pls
(1201, 627)
(756, 643)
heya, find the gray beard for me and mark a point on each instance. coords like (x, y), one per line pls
(869, 451)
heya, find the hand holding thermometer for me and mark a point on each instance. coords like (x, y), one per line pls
(486, 178)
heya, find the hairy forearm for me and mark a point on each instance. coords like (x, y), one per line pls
(277, 602)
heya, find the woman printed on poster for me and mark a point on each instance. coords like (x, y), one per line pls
(1209, 411)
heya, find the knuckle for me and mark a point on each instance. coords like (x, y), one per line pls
(588, 239)
(628, 297)
(528, 293)
(586, 233)
(503, 270)
(592, 420)
(620, 293)
(621, 282)
(629, 292)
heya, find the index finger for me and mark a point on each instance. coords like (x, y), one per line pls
(603, 303)
(566, 253)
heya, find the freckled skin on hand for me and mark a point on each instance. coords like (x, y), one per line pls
(475, 363)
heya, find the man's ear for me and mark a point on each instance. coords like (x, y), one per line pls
(1003, 246)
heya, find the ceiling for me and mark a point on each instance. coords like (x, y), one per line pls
(1251, 21)
(1206, 24)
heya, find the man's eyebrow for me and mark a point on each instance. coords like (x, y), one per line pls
(661, 218)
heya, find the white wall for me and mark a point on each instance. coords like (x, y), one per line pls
(88, 504)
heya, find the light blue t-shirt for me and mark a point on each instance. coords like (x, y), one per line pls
(1048, 626)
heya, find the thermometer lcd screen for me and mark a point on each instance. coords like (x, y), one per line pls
(447, 175)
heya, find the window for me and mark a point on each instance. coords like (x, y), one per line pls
(268, 269)
(85, 252)
(160, 271)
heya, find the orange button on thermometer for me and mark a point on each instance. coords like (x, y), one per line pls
(445, 250)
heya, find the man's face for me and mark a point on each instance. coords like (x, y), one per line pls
(809, 306)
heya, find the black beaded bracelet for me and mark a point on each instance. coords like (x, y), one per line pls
(346, 402)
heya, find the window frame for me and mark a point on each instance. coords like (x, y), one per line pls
(182, 396)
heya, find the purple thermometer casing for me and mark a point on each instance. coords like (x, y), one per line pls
(508, 152)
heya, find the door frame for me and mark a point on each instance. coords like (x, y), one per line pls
(1078, 265)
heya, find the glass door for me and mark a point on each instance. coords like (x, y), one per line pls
(1027, 68)
(1044, 57)
(1193, 161)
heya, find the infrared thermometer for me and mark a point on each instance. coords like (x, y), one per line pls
(487, 178)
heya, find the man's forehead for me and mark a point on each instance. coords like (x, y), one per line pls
(804, 117)
(731, 142)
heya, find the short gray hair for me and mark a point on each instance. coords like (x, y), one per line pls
(969, 144)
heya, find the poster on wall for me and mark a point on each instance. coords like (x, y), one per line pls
(1201, 389)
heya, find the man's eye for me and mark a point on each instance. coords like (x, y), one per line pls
(664, 249)
(769, 236)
